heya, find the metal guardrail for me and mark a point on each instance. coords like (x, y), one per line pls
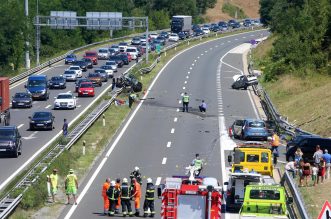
(10, 201)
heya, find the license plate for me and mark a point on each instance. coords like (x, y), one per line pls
(2, 149)
(40, 124)
(56, 85)
(85, 93)
(20, 104)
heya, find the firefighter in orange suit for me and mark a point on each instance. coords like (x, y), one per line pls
(105, 197)
(137, 195)
(118, 205)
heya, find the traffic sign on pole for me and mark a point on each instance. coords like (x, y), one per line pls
(325, 212)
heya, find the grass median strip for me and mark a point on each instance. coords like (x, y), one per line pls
(34, 202)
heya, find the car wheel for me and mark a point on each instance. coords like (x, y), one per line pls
(16, 154)
(31, 128)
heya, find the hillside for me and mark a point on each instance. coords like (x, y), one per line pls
(249, 7)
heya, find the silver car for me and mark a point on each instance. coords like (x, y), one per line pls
(109, 70)
(113, 65)
(70, 75)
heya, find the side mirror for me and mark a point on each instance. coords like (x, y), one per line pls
(229, 158)
(226, 183)
(25, 85)
(159, 190)
(290, 200)
(29, 117)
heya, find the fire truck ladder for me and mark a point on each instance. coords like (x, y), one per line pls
(171, 204)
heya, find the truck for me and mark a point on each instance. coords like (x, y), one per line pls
(190, 198)
(4, 101)
(181, 23)
(265, 201)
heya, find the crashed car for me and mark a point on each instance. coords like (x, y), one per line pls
(132, 81)
(244, 81)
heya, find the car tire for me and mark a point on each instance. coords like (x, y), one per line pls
(16, 154)
(31, 128)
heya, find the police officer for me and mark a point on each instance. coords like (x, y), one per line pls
(185, 100)
(136, 174)
(126, 191)
(197, 162)
(149, 198)
(113, 195)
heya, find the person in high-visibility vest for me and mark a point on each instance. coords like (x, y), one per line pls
(185, 100)
(126, 191)
(197, 162)
(149, 198)
(105, 187)
(113, 195)
(136, 195)
(275, 142)
(71, 185)
(118, 204)
(53, 180)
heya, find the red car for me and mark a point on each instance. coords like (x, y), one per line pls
(86, 89)
(92, 55)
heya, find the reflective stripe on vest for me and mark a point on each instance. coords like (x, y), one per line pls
(186, 98)
(198, 163)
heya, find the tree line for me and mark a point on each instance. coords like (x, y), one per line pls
(15, 28)
(302, 33)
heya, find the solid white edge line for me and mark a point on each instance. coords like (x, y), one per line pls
(158, 181)
(169, 144)
(23, 166)
(73, 208)
(164, 160)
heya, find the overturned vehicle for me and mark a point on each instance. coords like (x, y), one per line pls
(243, 81)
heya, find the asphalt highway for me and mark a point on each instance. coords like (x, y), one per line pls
(35, 141)
(161, 139)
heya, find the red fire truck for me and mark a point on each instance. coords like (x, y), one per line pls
(184, 198)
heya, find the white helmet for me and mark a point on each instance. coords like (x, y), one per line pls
(149, 180)
(136, 168)
(125, 180)
(113, 183)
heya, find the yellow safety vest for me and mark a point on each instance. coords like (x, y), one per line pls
(186, 98)
(71, 178)
(53, 178)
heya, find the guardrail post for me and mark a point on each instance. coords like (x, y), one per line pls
(188, 42)
(165, 53)
(84, 143)
(103, 120)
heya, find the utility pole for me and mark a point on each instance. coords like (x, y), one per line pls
(147, 43)
(37, 35)
(27, 54)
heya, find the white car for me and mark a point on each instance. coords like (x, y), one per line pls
(122, 48)
(154, 35)
(70, 75)
(65, 101)
(116, 48)
(174, 37)
(77, 70)
(113, 65)
(133, 52)
(109, 70)
(103, 53)
(206, 30)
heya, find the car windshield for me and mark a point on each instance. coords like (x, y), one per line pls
(86, 60)
(56, 79)
(92, 75)
(111, 63)
(106, 67)
(41, 115)
(264, 194)
(103, 50)
(123, 44)
(131, 50)
(36, 83)
(99, 71)
(114, 46)
(256, 124)
(136, 38)
(85, 85)
(22, 95)
(71, 56)
(69, 72)
(74, 68)
(90, 54)
(7, 134)
(174, 35)
(64, 96)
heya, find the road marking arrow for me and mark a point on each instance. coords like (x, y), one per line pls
(31, 136)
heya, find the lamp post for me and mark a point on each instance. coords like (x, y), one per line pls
(27, 44)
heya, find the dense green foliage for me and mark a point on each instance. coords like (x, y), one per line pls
(233, 11)
(302, 30)
(15, 28)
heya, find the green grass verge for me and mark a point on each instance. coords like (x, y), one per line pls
(96, 137)
(232, 10)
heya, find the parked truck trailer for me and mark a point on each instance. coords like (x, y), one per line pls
(4, 101)
(181, 23)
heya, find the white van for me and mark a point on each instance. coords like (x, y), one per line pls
(133, 52)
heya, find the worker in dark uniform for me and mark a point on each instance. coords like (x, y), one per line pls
(113, 195)
(126, 192)
(149, 198)
(136, 174)
(118, 204)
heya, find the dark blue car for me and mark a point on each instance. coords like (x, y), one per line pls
(70, 59)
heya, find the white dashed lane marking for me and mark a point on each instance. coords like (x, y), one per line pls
(187, 76)
(164, 160)
(169, 144)
(180, 102)
(172, 131)
(48, 106)
(184, 88)
(177, 110)
(244, 37)
(175, 119)
(20, 126)
(158, 181)
(185, 82)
